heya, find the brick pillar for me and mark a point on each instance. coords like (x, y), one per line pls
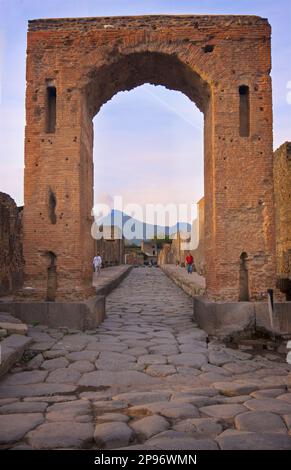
(58, 169)
(239, 206)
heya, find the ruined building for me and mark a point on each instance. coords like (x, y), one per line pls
(133, 258)
(111, 246)
(11, 259)
(150, 249)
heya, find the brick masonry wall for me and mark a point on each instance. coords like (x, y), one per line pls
(206, 57)
(282, 183)
(145, 22)
(133, 259)
(11, 259)
(111, 251)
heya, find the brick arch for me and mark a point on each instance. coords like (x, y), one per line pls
(75, 65)
(134, 69)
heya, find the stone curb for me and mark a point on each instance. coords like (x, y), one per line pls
(11, 351)
(190, 287)
(113, 283)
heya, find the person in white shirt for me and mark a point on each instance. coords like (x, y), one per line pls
(97, 263)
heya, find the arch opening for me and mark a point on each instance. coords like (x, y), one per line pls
(129, 72)
(138, 68)
(148, 149)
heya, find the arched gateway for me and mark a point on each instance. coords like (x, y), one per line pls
(222, 63)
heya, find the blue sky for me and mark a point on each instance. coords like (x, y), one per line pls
(148, 142)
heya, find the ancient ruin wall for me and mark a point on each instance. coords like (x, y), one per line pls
(11, 259)
(199, 252)
(74, 66)
(282, 183)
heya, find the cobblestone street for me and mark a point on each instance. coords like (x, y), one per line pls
(147, 378)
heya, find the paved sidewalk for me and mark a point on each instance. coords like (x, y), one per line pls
(145, 379)
(193, 284)
(109, 278)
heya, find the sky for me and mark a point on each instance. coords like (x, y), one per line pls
(148, 144)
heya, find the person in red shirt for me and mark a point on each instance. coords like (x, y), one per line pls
(189, 263)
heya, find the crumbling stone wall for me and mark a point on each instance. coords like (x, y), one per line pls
(11, 258)
(111, 246)
(165, 255)
(282, 183)
(133, 259)
(222, 63)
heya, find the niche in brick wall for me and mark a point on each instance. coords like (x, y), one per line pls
(52, 207)
(244, 111)
(51, 107)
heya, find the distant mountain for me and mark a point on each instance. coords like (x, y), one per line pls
(135, 230)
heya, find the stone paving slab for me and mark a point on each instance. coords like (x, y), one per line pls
(14, 426)
(223, 411)
(174, 440)
(112, 435)
(206, 427)
(260, 421)
(23, 378)
(23, 407)
(67, 434)
(243, 440)
(35, 390)
(138, 398)
(110, 378)
(174, 409)
(274, 405)
(149, 426)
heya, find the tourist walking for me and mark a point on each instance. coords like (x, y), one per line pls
(97, 263)
(189, 263)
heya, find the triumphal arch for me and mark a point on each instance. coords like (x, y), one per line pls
(74, 66)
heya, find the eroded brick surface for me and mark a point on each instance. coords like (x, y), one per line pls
(282, 183)
(11, 259)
